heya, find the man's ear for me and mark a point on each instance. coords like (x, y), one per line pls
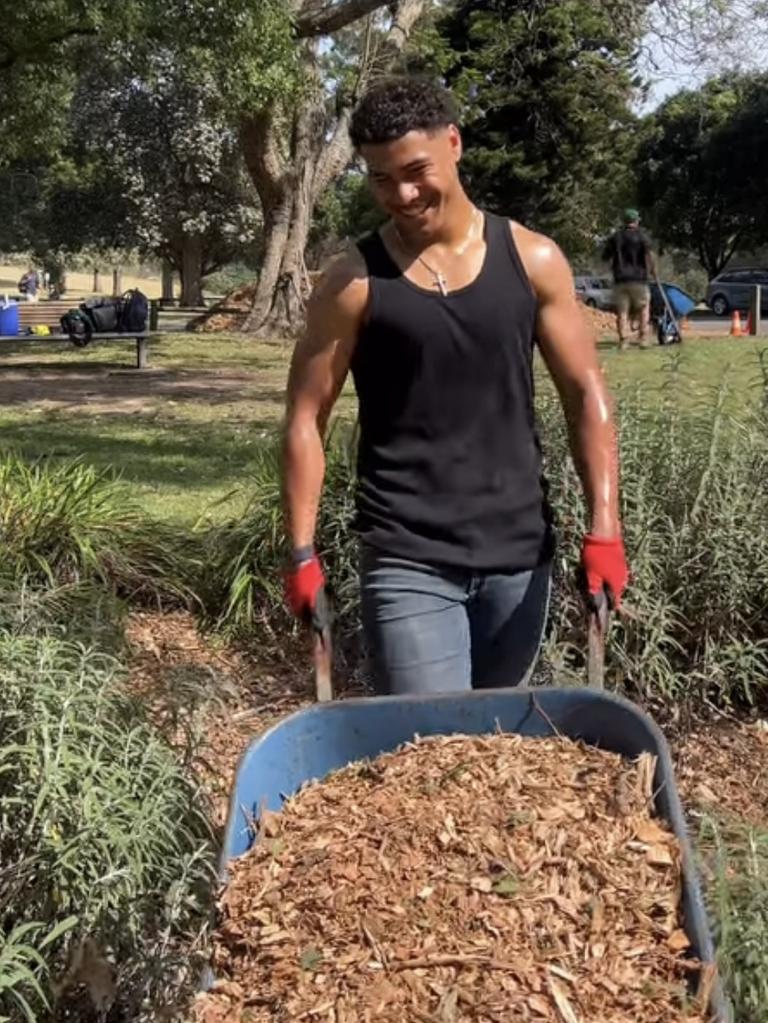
(455, 142)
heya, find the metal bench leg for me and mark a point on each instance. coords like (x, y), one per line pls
(142, 352)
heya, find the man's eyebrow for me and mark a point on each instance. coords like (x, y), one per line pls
(412, 165)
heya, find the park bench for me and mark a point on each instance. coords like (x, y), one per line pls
(48, 313)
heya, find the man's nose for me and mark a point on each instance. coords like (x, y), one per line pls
(407, 192)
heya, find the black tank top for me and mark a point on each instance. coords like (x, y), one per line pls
(449, 464)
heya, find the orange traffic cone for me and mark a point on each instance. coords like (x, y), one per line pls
(736, 330)
(684, 325)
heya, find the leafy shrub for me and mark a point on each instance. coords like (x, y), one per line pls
(63, 523)
(696, 523)
(105, 843)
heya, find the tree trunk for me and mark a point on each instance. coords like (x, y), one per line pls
(192, 271)
(96, 282)
(291, 179)
(166, 297)
(117, 282)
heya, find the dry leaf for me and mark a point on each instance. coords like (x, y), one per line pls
(678, 941)
(561, 1001)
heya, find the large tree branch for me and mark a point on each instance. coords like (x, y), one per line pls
(338, 151)
(404, 16)
(330, 17)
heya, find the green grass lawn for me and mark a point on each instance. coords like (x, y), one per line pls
(186, 433)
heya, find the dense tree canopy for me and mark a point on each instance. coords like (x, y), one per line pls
(176, 159)
(547, 88)
(701, 181)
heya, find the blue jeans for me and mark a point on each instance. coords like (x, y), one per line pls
(432, 630)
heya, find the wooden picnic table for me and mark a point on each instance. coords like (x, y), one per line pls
(48, 313)
(141, 338)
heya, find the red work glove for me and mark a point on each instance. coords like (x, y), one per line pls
(303, 583)
(605, 567)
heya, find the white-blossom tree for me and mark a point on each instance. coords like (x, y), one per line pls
(185, 195)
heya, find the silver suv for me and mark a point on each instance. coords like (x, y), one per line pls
(732, 289)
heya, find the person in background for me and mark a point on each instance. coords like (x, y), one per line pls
(628, 251)
(436, 316)
(29, 284)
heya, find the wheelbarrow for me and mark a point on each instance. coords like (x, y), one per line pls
(313, 742)
(669, 303)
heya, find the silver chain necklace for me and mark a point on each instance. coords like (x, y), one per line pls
(438, 276)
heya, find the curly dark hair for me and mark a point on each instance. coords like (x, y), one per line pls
(395, 106)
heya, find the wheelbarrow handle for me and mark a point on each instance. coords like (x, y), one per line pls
(322, 648)
(597, 630)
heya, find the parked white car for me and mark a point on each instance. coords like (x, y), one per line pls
(595, 291)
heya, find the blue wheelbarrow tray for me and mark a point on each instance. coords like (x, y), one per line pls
(313, 742)
(680, 301)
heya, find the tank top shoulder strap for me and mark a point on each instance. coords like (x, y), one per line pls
(502, 243)
(378, 261)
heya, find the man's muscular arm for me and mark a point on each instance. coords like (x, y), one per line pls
(318, 370)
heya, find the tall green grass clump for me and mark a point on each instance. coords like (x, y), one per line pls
(696, 528)
(65, 522)
(106, 851)
(736, 866)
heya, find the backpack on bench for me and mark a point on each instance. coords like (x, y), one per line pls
(78, 326)
(134, 312)
(104, 313)
(106, 316)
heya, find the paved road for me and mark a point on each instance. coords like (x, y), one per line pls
(705, 322)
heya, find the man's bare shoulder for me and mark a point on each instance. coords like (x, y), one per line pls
(543, 259)
(537, 251)
(343, 283)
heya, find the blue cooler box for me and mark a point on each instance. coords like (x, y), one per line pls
(9, 318)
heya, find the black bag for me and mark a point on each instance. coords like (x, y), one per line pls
(78, 326)
(105, 314)
(135, 311)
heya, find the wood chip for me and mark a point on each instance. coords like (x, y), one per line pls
(463, 879)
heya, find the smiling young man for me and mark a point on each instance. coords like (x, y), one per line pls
(436, 317)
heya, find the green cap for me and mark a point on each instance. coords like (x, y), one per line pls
(630, 216)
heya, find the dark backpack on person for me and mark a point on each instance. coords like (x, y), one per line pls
(105, 314)
(135, 311)
(78, 326)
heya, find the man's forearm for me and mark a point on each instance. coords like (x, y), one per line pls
(594, 450)
(303, 473)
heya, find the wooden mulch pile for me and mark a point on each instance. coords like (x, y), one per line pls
(459, 879)
(601, 322)
(229, 313)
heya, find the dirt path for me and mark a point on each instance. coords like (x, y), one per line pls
(80, 283)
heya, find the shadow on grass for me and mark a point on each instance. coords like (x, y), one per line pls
(186, 456)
